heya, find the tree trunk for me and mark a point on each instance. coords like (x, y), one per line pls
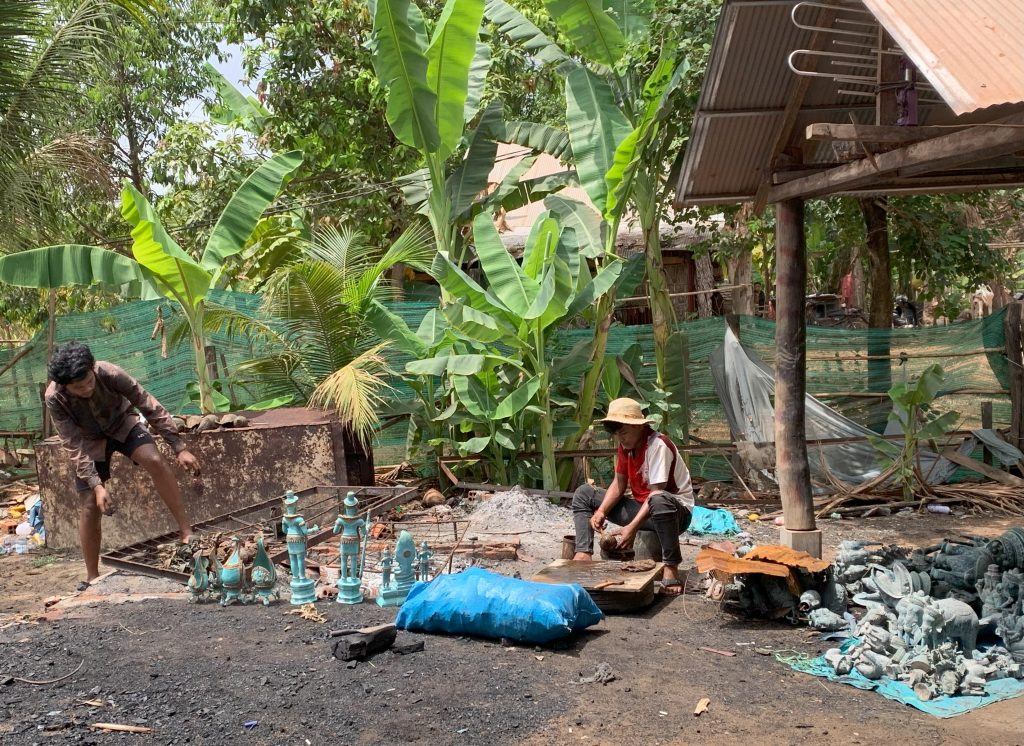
(705, 280)
(741, 274)
(880, 311)
(663, 314)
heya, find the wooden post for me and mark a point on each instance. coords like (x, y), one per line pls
(211, 363)
(986, 423)
(791, 467)
(1015, 358)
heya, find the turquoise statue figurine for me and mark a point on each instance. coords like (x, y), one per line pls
(215, 567)
(294, 526)
(232, 576)
(199, 581)
(264, 574)
(353, 531)
(386, 563)
(423, 563)
(394, 593)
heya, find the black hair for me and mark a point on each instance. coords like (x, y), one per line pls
(71, 361)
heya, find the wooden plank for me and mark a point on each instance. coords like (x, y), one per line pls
(979, 143)
(875, 133)
(1015, 358)
(630, 591)
(982, 468)
(715, 559)
(364, 642)
(986, 423)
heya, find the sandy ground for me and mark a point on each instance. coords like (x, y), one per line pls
(198, 673)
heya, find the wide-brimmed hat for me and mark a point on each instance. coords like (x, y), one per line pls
(626, 412)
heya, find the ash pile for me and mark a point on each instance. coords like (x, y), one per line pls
(928, 608)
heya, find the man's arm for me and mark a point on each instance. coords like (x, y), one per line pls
(145, 402)
(74, 443)
(612, 496)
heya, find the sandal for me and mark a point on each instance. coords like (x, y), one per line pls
(670, 584)
(83, 586)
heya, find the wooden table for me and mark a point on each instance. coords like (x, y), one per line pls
(635, 591)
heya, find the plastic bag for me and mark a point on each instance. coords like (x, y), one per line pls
(484, 604)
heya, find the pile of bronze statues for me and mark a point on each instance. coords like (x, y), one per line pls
(234, 581)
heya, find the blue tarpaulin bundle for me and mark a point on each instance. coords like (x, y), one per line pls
(484, 604)
(707, 521)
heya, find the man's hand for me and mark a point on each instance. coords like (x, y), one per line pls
(597, 521)
(626, 536)
(188, 461)
(103, 500)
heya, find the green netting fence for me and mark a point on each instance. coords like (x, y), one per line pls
(849, 369)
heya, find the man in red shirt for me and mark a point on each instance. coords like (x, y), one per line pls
(649, 466)
(92, 404)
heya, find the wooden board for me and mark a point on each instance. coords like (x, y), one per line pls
(635, 592)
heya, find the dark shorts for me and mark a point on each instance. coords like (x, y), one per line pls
(137, 437)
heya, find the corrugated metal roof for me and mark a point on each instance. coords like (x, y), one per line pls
(749, 83)
(972, 51)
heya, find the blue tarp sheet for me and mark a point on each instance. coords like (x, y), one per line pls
(943, 707)
(707, 521)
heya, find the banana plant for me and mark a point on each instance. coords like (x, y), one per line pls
(617, 135)
(497, 356)
(160, 267)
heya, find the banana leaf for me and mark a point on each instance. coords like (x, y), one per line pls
(514, 403)
(519, 29)
(591, 29)
(507, 281)
(449, 58)
(70, 264)
(477, 79)
(587, 226)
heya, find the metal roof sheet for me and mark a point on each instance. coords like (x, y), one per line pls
(972, 51)
(749, 83)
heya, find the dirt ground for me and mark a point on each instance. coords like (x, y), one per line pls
(198, 673)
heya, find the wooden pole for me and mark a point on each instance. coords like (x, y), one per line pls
(986, 423)
(1015, 358)
(791, 467)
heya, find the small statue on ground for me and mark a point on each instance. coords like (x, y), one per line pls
(199, 581)
(264, 574)
(393, 594)
(232, 576)
(423, 563)
(353, 532)
(296, 531)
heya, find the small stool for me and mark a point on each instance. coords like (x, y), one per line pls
(647, 545)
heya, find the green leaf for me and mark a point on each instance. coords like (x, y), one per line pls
(504, 276)
(594, 290)
(516, 27)
(258, 192)
(470, 178)
(460, 365)
(591, 29)
(475, 324)
(631, 16)
(540, 244)
(514, 403)
(465, 365)
(885, 447)
(236, 107)
(401, 65)
(474, 397)
(587, 226)
(173, 271)
(277, 401)
(559, 303)
(542, 138)
(448, 412)
(502, 439)
(451, 277)
(611, 379)
(473, 445)
(632, 275)
(433, 366)
(69, 264)
(432, 327)
(449, 58)
(391, 327)
(477, 79)
(573, 364)
(938, 427)
(596, 128)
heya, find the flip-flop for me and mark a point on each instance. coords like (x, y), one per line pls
(83, 586)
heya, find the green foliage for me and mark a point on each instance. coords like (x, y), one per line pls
(910, 411)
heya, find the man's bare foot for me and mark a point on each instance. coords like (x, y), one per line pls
(583, 556)
(186, 536)
(670, 585)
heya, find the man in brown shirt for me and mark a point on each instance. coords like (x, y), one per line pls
(92, 404)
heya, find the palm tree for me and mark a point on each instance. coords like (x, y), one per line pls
(321, 349)
(45, 51)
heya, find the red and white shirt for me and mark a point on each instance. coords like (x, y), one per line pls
(655, 461)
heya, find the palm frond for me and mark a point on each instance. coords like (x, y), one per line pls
(355, 392)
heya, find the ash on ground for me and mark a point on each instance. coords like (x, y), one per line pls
(538, 523)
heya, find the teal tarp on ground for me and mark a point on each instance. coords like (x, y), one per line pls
(708, 521)
(943, 707)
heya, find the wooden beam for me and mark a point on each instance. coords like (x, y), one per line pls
(976, 144)
(951, 454)
(875, 133)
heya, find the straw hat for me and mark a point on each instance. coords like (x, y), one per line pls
(626, 412)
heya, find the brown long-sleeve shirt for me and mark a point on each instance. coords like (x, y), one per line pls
(84, 425)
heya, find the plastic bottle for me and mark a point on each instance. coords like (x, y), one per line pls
(944, 509)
